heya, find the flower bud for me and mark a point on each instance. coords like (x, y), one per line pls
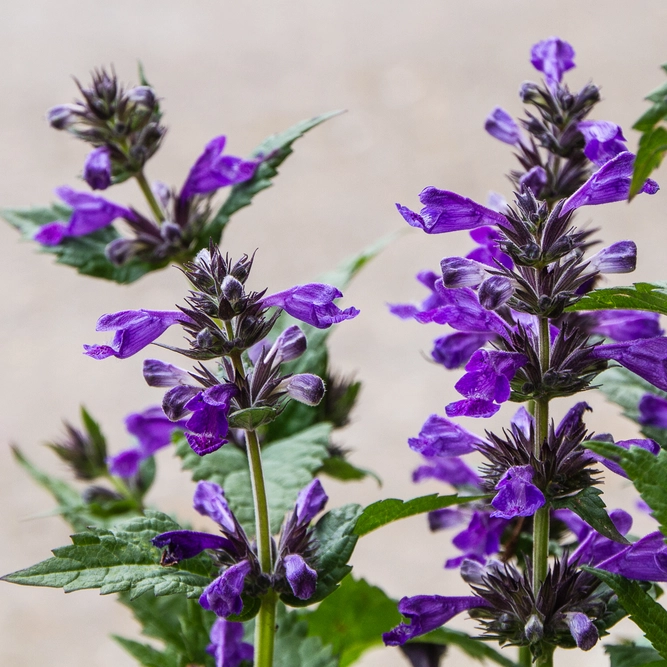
(231, 289)
(304, 387)
(619, 257)
(535, 179)
(63, 116)
(462, 272)
(97, 169)
(583, 630)
(534, 630)
(142, 96)
(500, 125)
(494, 292)
(291, 344)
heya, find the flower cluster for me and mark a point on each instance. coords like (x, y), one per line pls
(507, 301)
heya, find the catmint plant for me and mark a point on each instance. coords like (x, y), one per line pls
(508, 302)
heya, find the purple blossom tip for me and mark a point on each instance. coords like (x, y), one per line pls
(208, 425)
(312, 303)
(534, 180)
(451, 470)
(160, 374)
(517, 495)
(125, 464)
(223, 595)
(653, 411)
(553, 57)
(182, 544)
(604, 140)
(227, 645)
(500, 125)
(619, 257)
(462, 272)
(209, 500)
(52, 233)
(310, 502)
(97, 168)
(494, 292)
(304, 387)
(301, 577)
(625, 325)
(454, 350)
(443, 437)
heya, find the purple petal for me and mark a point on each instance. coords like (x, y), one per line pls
(300, 576)
(289, 345)
(182, 544)
(97, 168)
(449, 470)
(646, 357)
(442, 437)
(304, 387)
(553, 57)
(454, 350)
(523, 421)
(152, 428)
(472, 407)
(534, 180)
(445, 518)
(645, 560)
(517, 495)
(310, 502)
(426, 613)
(202, 443)
(223, 595)
(619, 257)
(462, 272)
(645, 443)
(653, 411)
(494, 292)
(500, 125)
(582, 630)
(625, 325)
(51, 234)
(209, 500)
(604, 140)
(175, 400)
(159, 374)
(481, 538)
(227, 645)
(90, 212)
(126, 463)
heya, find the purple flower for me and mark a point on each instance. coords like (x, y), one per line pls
(182, 544)
(301, 577)
(517, 495)
(480, 539)
(209, 500)
(223, 595)
(227, 645)
(449, 470)
(446, 211)
(97, 169)
(645, 443)
(653, 411)
(134, 330)
(619, 257)
(213, 170)
(426, 613)
(310, 502)
(583, 631)
(625, 325)
(604, 140)
(488, 252)
(534, 179)
(462, 272)
(609, 184)
(553, 57)
(454, 350)
(159, 374)
(500, 125)
(445, 518)
(442, 437)
(303, 387)
(312, 303)
(594, 548)
(646, 357)
(430, 303)
(644, 560)
(153, 430)
(486, 384)
(90, 213)
(494, 292)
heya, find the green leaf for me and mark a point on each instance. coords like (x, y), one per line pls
(647, 472)
(250, 419)
(277, 147)
(334, 533)
(651, 117)
(591, 508)
(289, 465)
(353, 619)
(85, 253)
(641, 296)
(631, 655)
(120, 559)
(94, 434)
(643, 609)
(294, 648)
(479, 650)
(342, 469)
(385, 511)
(146, 655)
(652, 148)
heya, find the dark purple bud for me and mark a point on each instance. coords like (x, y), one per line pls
(619, 257)
(462, 272)
(213, 170)
(209, 500)
(517, 495)
(646, 357)
(64, 116)
(182, 544)
(583, 630)
(290, 345)
(534, 629)
(231, 289)
(141, 96)
(604, 140)
(609, 184)
(223, 595)
(500, 125)
(160, 374)
(445, 518)
(310, 502)
(451, 470)
(534, 180)
(426, 613)
(175, 400)
(97, 169)
(227, 645)
(454, 350)
(312, 303)
(472, 571)
(653, 411)
(442, 437)
(135, 329)
(553, 57)
(117, 252)
(494, 292)
(424, 654)
(304, 387)
(300, 576)
(625, 325)
(445, 211)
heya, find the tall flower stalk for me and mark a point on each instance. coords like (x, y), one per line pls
(512, 294)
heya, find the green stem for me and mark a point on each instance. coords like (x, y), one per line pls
(126, 492)
(525, 658)
(547, 658)
(150, 197)
(265, 631)
(541, 518)
(262, 529)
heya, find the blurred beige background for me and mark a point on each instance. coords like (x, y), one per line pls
(417, 79)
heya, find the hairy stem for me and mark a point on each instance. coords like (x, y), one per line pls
(265, 631)
(541, 519)
(150, 197)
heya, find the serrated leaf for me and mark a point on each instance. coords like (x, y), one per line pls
(652, 148)
(289, 465)
(335, 536)
(294, 648)
(641, 296)
(383, 512)
(274, 150)
(647, 471)
(591, 508)
(471, 646)
(631, 655)
(250, 419)
(643, 609)
(85, 253)
(119, 559)
(146, 655)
